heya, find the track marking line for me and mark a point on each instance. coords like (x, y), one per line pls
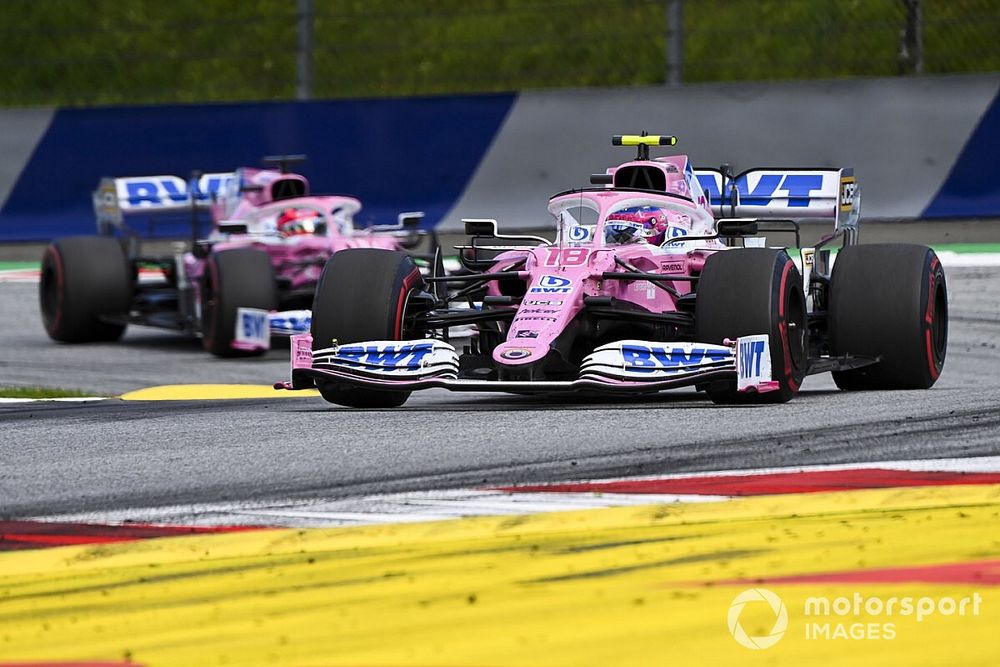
(63, 399)
(213, 392)
(813, 481)
(411, 506)
(34, 534)
(623, 586)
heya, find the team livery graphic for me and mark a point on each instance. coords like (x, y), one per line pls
(659, 276)
(251, 278)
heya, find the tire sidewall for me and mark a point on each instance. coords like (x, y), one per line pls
(889, 301)
(83, 280)
(361, 296)
(789, 358)
(749, 291)
(234, 278)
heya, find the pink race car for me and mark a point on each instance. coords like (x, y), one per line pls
(253, 276)
(646, 286)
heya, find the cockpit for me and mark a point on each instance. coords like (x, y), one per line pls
(611, 218)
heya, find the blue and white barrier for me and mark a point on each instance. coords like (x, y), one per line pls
(920, 147)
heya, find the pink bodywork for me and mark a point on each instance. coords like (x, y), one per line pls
(558, 277)
(298, 260)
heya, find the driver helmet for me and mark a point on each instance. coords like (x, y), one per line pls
(296, 222)
(634, 224)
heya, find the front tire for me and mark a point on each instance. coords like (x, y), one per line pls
(889, 301)
(750, 291)
(83, 280)
(362, 296)
(234, 278)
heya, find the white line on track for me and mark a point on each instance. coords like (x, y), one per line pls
(71, 399)
(455, 503)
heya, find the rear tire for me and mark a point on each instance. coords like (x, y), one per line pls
(362, 296)
(890, 301)
(751, 291)
(83, 279)
(234, 278)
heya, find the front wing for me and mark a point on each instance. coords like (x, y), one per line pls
(254, 327)
(624, 367)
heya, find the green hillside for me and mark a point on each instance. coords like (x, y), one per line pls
(84, 52)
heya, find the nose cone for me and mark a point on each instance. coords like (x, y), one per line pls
(520, 352)
(552, 300)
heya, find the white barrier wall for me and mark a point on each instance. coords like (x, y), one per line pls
(20, 132)
(920, 147)
(902, 136)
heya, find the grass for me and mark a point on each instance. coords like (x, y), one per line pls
(18, 266)
(87, 52)
(42, 392)
(967, 247)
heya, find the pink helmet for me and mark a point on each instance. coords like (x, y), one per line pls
(636, 223)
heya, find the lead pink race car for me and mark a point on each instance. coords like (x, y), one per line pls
(662, 276)
(251, 278)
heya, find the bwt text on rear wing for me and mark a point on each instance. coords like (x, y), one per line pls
(785, 193)
(116, 198)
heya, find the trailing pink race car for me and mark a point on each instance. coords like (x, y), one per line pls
(253, 276)
(646, 286)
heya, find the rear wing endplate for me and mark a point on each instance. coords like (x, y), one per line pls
(785, 193)
(116, 198)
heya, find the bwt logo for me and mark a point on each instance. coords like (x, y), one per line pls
(751, 356)
(388, 356)
(292, 323)
(254, 326)
(551, 285)
(160, 191)
(648, 359)
(798, 188)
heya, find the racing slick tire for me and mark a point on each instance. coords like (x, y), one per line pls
(750, 291)
(234, 278)
(889, 301)
(362, 296)
(84, 279)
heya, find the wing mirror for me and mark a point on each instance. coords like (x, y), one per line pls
(480, 226)
(736, 227)
(410, 219)
(232, 227)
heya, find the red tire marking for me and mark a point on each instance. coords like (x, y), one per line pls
(19, 535)
(771, 483)
(783, 330)
(401, 301)
(929, 319)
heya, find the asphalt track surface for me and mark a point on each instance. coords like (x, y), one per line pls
(113, 454)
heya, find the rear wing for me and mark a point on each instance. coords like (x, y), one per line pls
(116, 198)
(785, 193)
